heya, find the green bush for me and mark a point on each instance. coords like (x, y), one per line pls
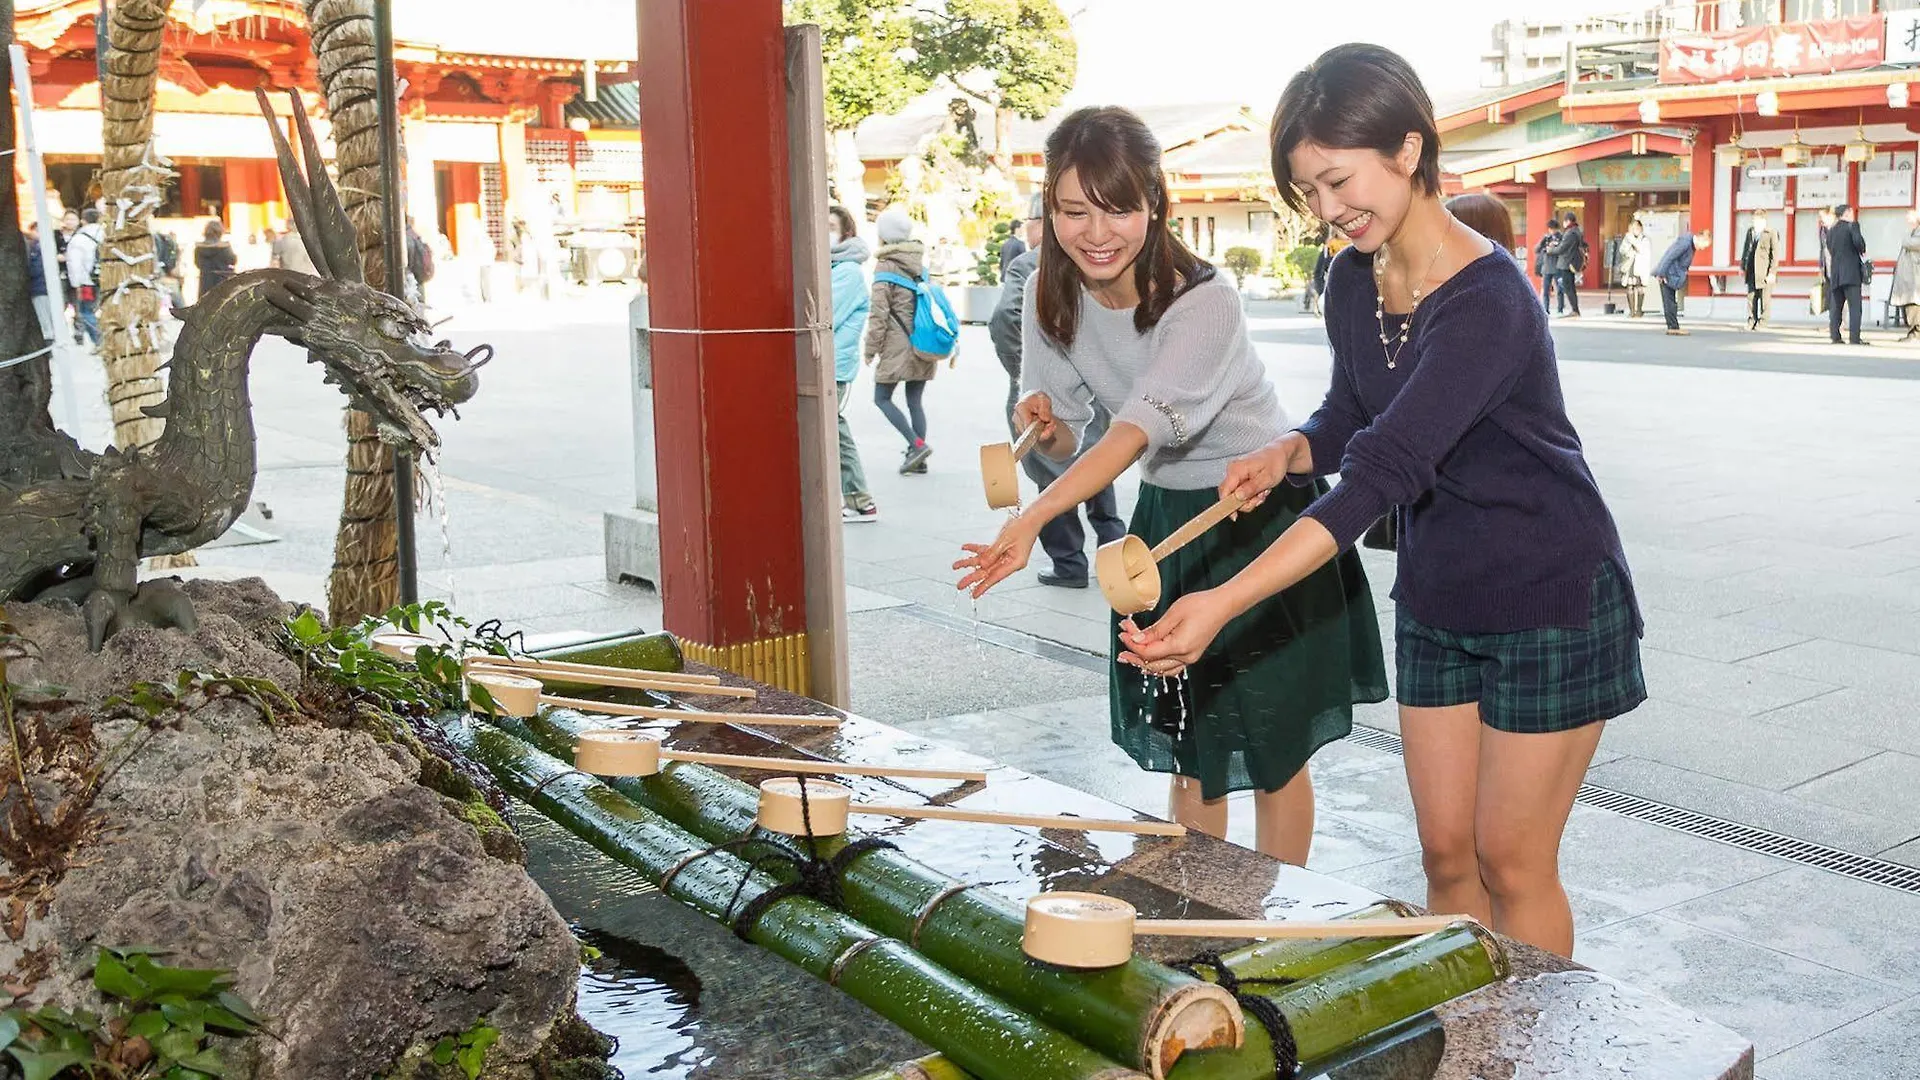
(986, 264)
(1242, 261)
(1302, 258)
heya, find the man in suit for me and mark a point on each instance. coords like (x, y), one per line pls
(1759, 264)
(1671, 271)
(1570, 257)
(1063, 539)
(1846, 273)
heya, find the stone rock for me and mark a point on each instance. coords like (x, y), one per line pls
(358, 911)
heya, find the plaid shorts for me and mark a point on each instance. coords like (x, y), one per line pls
(1530, 681)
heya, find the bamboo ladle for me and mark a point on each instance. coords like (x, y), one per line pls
(827, 804)
(997, 471)
(1129, 571)
(597, 675)
(518, 695)
(1088, 930)
(639, 753)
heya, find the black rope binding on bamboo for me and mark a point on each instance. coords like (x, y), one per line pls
(1286, 1051)
(816, 878)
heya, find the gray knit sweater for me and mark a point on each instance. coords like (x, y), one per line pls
(1193, 383)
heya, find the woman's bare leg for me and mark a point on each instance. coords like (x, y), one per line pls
(1443, 768)
(1187, 807)
(1526, 789)
(1283, 820)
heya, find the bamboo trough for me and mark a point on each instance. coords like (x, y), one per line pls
(979, 1033)
(1142, 1014)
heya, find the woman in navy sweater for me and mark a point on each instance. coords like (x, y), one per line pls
(1517, 627)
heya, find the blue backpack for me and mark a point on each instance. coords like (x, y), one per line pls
(935, 330)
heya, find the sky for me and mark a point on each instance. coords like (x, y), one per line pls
(1144, 52)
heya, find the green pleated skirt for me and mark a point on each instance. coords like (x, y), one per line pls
(1277, 684)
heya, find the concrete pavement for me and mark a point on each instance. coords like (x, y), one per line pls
(1764, 486)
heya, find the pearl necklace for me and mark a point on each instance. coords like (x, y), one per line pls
(1380, 299)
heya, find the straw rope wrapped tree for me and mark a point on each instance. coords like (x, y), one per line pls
(132, 180)
(366, 576)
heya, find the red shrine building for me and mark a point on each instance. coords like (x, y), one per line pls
(1736, 107)
(490, 136)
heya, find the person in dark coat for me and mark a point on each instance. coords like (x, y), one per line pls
(37, 281)
(1846, 274)
(1063, 539)
(1544, 254)
(213, 257)
(1672, 269)
(1010, 249)
(1570, 260)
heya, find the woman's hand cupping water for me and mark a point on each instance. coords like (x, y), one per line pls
(989, 564)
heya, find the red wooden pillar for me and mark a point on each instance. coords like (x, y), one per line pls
(1539, 209)
(1593, 222)
(719, 249)
(1701, 179)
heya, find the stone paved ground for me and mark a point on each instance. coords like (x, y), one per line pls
(1764, 484)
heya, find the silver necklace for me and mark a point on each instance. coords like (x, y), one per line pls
(1391, 345)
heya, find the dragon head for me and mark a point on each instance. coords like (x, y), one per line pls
(375, 346)
(381, 353)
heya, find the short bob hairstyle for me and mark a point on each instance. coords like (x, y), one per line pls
(1485, 215)
(1355, 97)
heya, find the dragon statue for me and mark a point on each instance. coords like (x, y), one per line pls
(75, 525)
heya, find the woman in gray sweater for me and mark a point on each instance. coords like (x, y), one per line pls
(1121, 313)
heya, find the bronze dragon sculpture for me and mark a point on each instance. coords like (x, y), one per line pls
(75, 525)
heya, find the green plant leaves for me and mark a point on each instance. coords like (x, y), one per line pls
(112, 978)
(172, 1008)
(45, 1066)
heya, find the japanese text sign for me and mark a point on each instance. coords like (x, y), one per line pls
(1803, 48)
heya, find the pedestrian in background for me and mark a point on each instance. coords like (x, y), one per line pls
(1633, 262)
(1848, 273)
(1062, 538)
(83, 272)
(1671, 272)
(290, 251)
(213, 257)
(37, 281)
(889, 344)
(1759, 265)
(1544, 254)
(1012, 248)
(847, 254)
(1570, 258)
(1906, 278)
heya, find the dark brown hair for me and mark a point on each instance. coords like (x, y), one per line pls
(1355, 97)
(848, 230)
(1117, 161)
(1485, 215)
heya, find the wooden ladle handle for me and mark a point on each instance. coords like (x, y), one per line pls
(1043, 821)
(1204, 520)
(1027, 440)
(1265, 929)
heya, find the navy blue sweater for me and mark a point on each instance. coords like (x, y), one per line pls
(1503, 527)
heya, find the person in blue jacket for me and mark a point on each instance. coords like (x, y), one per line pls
(1671, 271)
(850, 305)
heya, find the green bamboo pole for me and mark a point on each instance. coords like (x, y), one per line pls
(1297, 959)
(980, 1034)
(1141, 1013)
(650, 652)
(1338, 1010)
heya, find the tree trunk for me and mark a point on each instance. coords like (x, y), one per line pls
(132, 181)
(32, 448)
(366, 578)
(1003, 141)
(850, 178)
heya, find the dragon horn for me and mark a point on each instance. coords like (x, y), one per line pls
(336, 238)
(294, 180)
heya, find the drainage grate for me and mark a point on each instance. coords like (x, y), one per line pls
(1746, 837)
(1733, 833)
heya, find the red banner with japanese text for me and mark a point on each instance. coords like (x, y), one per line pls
(1803, 48)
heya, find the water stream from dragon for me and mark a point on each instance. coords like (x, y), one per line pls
(434, 487)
